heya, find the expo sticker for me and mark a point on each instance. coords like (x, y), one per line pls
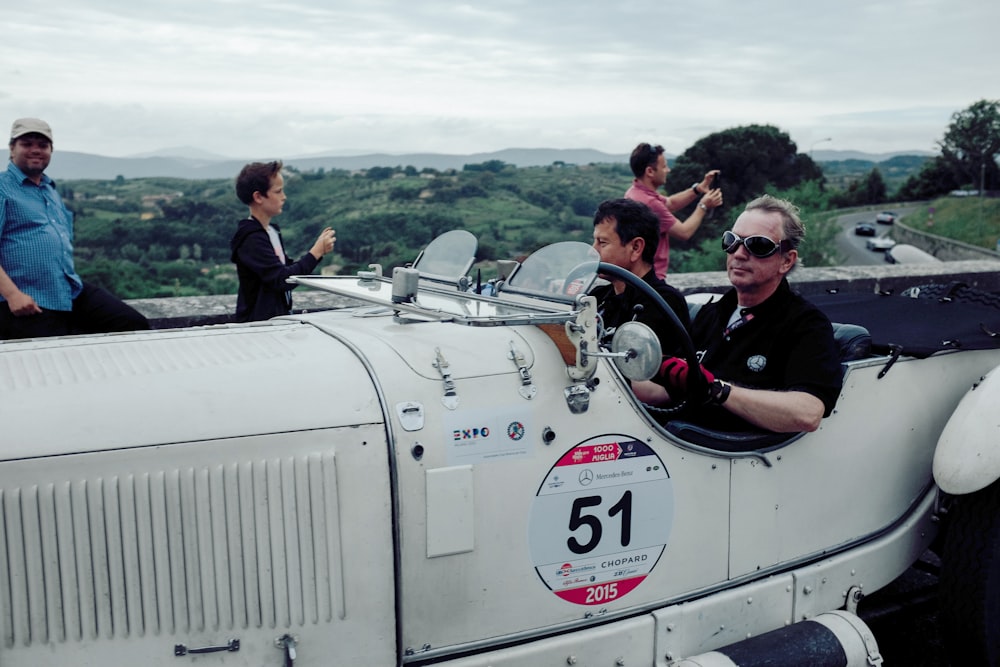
(481, 436)
(601, 519)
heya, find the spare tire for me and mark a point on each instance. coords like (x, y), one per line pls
(970, 578)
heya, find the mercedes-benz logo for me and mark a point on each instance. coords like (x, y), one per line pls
(586, 477)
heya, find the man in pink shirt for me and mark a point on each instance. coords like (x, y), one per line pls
(650, 168)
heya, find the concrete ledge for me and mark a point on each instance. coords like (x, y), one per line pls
(981, 274)
(945, 249)
(190, 311)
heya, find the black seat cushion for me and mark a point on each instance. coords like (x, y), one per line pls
(729, 441)
(853, 341)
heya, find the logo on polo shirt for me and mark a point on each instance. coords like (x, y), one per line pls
(757, 363)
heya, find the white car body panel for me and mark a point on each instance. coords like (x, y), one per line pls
(118, 556)
(113, 391)
(967, 458)
(392, 490)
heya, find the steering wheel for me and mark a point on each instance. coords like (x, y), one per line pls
(697, 382)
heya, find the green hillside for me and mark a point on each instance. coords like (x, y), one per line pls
(164, 237)
(895, 171)
(973, 220)
(156, 237)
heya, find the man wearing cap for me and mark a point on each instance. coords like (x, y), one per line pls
(40, 291)
(649, 166)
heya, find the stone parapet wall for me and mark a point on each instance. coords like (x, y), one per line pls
(980, 274)
(947, 250)
(189, 311)
(983, 274)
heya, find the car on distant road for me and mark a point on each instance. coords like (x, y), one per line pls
(880, 243)
(908, 254)
(886, 217)
(864, 229)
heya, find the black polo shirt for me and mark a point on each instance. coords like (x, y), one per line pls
(784, 343)
(616, 309)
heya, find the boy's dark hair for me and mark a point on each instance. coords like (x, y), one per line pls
(632, 219)
(644, 155)
(256, 177)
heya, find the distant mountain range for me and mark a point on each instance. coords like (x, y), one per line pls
(198, 166)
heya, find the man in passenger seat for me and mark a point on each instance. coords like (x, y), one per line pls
(626, 235)
(770, 355)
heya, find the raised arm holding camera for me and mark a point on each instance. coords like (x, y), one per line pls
(649, 166)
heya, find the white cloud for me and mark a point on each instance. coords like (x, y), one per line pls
(261, 78)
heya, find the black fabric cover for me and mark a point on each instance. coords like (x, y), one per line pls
(935, 318)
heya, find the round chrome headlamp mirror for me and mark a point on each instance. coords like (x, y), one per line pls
(636, 351)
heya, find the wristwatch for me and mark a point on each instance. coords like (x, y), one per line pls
(702, 206)
(718, 391)
(694, 187)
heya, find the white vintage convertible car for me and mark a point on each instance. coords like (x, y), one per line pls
(438, 476)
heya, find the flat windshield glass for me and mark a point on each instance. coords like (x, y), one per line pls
(561, 271)
(448, 257)
(552, 278)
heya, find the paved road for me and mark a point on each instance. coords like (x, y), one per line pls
(852, 247)
(903, 617)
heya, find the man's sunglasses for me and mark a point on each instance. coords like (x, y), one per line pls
(650, 152)
(758, 246)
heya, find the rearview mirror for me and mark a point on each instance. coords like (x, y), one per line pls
(636, 351)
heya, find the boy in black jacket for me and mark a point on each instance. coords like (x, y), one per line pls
(258, 251)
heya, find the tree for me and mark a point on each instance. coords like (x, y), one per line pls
(935, 178)
(874, 187)
(380, 173)
(131, 252)
(751, 158)
(871, 190)
(495, 166)
(972, 143)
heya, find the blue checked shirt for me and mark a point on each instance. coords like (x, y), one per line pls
(36, 240)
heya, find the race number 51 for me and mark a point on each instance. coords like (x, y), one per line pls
(601, 519)
(578, 518)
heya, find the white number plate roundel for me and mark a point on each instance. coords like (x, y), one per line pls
(601, 519)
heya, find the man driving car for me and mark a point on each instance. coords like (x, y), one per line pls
(770, 355)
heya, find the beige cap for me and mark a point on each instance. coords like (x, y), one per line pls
(23, 126)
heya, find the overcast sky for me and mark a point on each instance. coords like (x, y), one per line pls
(254, 79)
